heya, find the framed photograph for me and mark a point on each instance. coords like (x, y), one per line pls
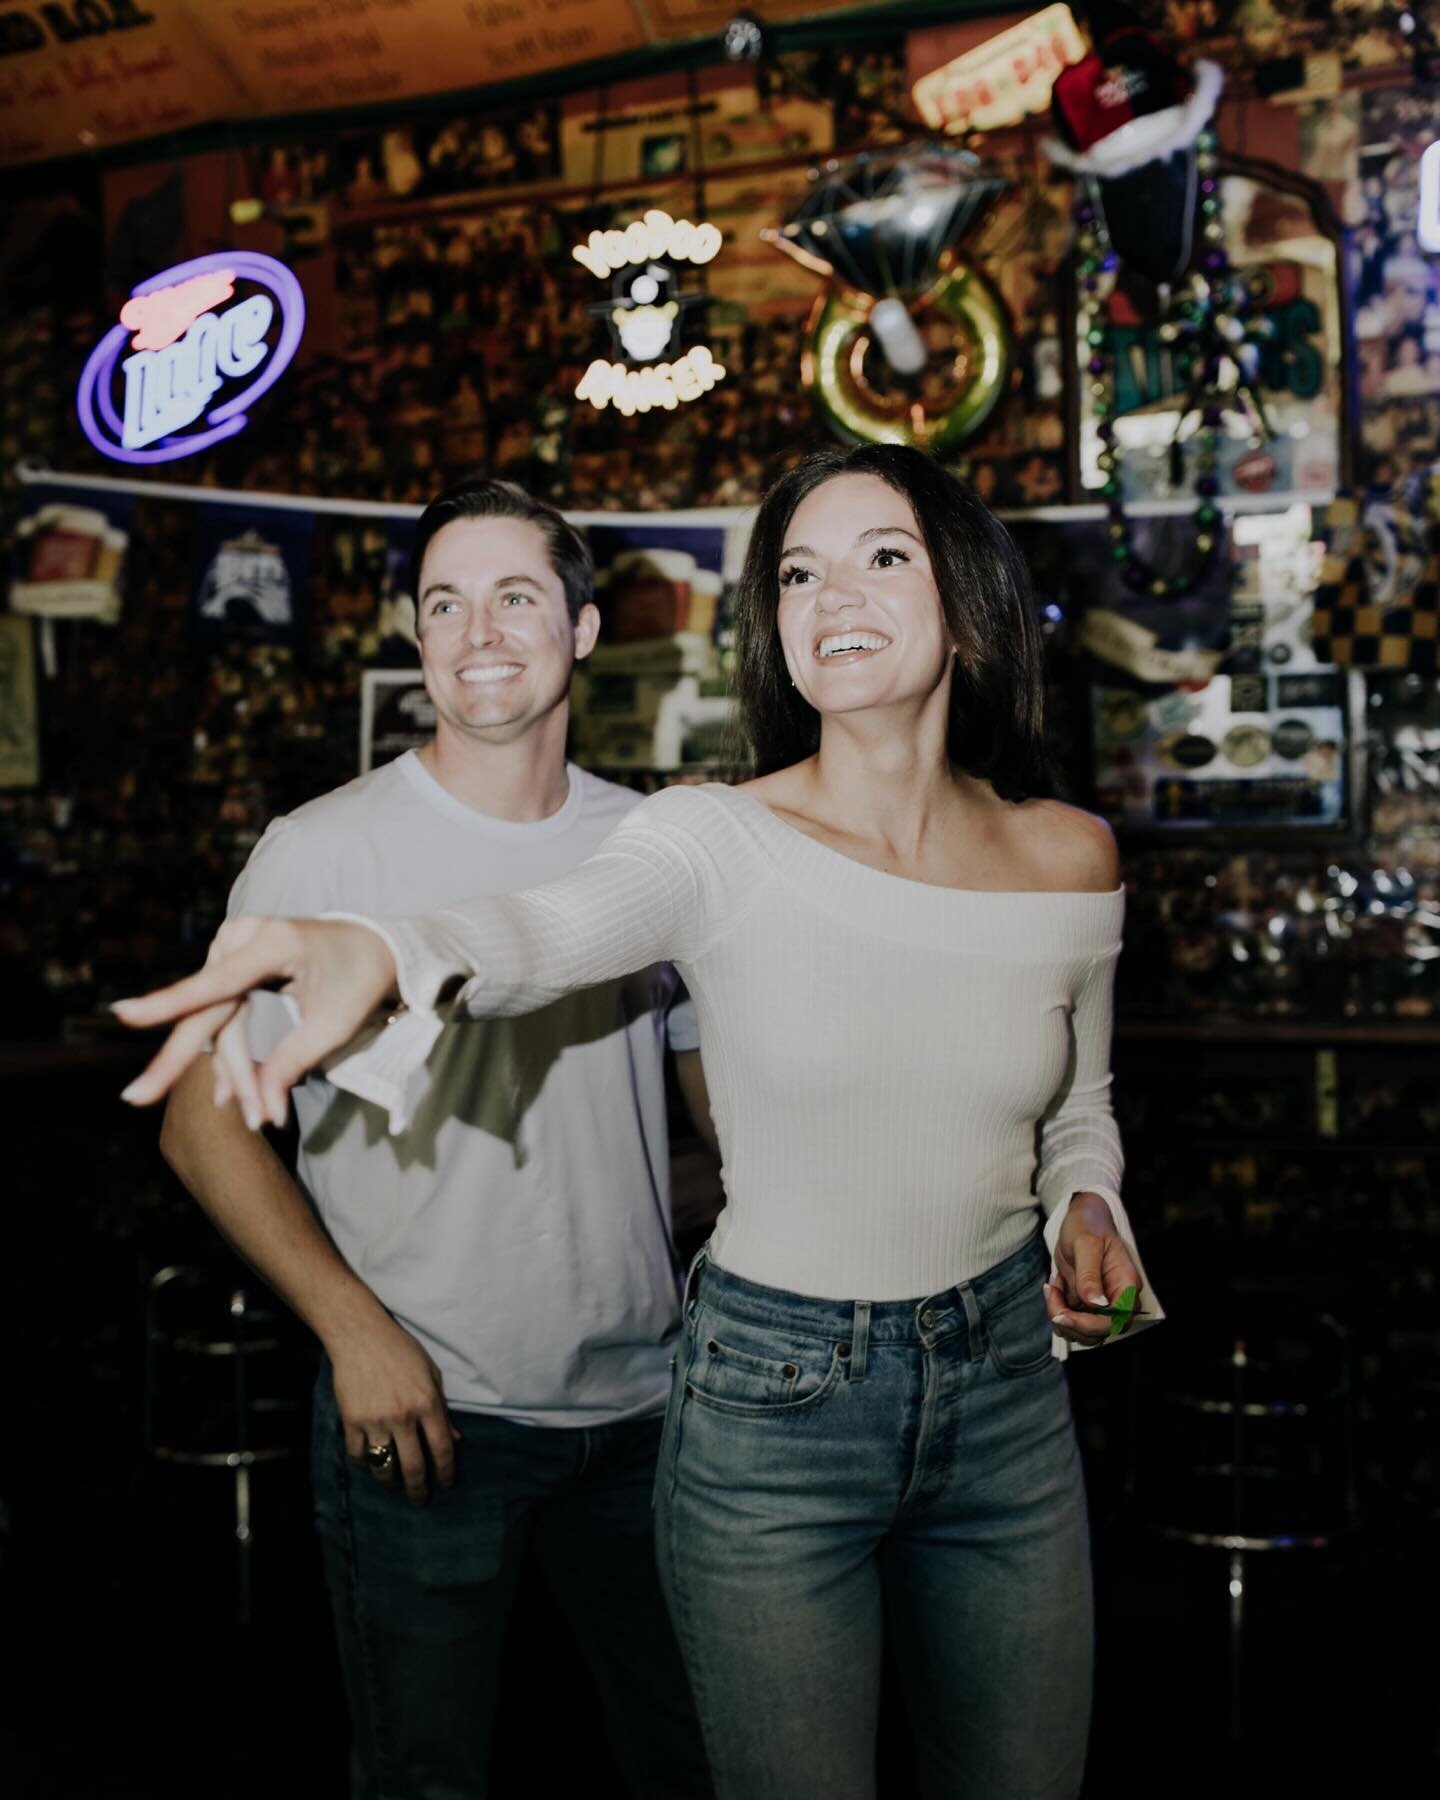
(1264, 753)
(1255, 733)
(396, 715)
(667, 155)
(19, 730)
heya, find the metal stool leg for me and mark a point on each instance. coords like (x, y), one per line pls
(1237, 1643)
(239, 1343)
(1242, 1396)
(240, 1313)
(1237, 1555)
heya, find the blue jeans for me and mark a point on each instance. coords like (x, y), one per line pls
(835, 1475)
(420, 1596)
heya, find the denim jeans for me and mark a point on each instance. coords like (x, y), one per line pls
(840, 1475)
(420, 1596)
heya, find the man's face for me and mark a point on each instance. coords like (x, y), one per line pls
(497, 644)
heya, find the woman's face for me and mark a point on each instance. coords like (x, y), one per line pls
(859, 610)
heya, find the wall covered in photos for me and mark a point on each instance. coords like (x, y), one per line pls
(449, 324)
(173, 673)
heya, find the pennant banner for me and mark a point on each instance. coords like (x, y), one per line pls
(252, 564)
(69, 554)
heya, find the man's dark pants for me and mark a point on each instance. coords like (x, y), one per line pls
(421, 1596)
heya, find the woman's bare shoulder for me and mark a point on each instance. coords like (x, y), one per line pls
(1078, 849)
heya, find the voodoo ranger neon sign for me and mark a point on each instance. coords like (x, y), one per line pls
(196, 346)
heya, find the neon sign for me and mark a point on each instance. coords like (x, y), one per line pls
(183, 351)
(656, 235)
(644, 314)
(1000, 81)
(1427, 225)
(664, 385)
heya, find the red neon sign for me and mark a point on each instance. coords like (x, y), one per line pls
(158, 319)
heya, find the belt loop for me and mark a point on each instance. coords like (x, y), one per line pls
(974, 1318)
(691, 1279)
(859, 1341)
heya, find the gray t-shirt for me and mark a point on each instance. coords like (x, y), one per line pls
(520, 1227)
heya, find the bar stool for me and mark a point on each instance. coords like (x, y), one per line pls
(1245, 1454)
(216, 1393)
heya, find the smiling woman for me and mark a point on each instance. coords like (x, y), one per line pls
(939, 531)
(901, 952)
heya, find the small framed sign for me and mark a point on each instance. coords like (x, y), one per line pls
(396, 715)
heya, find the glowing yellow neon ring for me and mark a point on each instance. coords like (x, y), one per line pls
(840, 315)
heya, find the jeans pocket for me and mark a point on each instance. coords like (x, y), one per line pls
(736, 1367)
(1019, 1332)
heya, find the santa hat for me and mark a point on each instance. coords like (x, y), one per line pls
(1129, 101)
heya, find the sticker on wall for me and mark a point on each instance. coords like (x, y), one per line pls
(196, 346)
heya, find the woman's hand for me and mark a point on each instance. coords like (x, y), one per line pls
(337, 974)
(1092, 1268)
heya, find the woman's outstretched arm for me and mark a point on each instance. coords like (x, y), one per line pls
(639, 900)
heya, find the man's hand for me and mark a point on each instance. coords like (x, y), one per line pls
(389, 1392)
(1092, 1268)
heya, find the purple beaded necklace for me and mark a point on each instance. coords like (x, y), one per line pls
(1214, 325)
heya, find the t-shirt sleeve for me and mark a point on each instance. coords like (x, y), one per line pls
(682, 1027)
(652, 893)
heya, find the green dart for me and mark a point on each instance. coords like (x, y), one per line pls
(1121, 1312)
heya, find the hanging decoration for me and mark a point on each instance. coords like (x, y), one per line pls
(1146, 158)
(69, 555)
(1215, 329)
(644, 313)
(884, 230)
(251, 567)
(1130, 115)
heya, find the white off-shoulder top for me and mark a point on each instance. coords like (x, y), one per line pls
(903, 1076)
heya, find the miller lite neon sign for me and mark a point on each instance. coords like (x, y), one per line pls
(190, 339)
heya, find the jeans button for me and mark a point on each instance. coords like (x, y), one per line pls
(842, 1351)
(789, 1371)
(927, 1318)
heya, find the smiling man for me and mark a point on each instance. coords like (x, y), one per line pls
(495, 1287)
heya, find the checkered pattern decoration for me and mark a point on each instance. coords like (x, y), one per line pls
(1378, 602)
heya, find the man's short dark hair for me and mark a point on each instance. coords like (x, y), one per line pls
(478, 497)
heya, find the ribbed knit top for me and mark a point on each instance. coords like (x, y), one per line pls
(903, 1076)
